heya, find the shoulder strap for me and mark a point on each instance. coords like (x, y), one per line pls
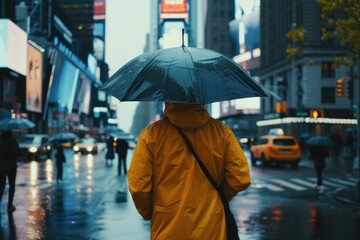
(201, 164)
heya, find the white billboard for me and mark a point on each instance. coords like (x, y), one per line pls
(13, 47)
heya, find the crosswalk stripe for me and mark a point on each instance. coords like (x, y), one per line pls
(273, 187)
(289, 185)
(352, 179)
(343, 182)
(303, 182)
(325, 182)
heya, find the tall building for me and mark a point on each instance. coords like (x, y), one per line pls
(305, 84)
(219, 14)
(81, 16)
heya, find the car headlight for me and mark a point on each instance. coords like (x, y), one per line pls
(48, 148)
(89, 148)
(76, 148)
(33, 149)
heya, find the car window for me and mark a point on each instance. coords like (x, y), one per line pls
(88, 140)
(284, 142)
(262, 141)
(27, 139)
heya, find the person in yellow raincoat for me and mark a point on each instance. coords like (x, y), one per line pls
(166, 183)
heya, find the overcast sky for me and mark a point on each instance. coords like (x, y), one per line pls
(127, 23)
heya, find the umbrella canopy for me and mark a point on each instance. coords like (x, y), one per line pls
(182, 74)
(111, 129)
(15, 124)
(64, 136)
(319, 141)
(122, 135)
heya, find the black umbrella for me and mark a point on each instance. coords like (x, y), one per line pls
(182, 74)
(319, 141)
(64, 136)
(9, 124)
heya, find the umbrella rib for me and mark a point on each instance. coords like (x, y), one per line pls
(192, 61)
(165, 77)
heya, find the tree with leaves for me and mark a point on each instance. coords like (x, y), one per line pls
(343, 17)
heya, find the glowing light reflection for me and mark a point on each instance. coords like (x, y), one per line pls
(49, 171)
(34, 172)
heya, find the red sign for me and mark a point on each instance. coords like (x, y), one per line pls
(173, 9)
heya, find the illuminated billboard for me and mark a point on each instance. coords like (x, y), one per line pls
(34, 79)
(173, 9)
(99, 9)
(13, 47)
(82, 95)
(63, 82)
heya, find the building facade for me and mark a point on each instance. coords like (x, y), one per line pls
(306, 84)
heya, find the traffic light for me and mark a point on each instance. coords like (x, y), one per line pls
(316, 113)
(350, 89)
(278, 107)
(340, 87)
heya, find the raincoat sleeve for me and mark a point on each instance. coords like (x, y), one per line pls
(140, 179)
(237, 174)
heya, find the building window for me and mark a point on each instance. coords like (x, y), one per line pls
(327, 70)
(327, 95)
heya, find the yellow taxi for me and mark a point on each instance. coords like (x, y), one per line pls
(277, 149)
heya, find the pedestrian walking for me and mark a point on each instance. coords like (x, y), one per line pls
(9, 148)
(121, 149)
(169, 186)
(110, 155)
(60, 160)
(318, 153)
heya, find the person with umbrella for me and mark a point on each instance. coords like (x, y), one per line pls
(187, 166)
(9, 148)
(318, 147)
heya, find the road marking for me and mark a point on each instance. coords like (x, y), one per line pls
(289, 185)
(273, 187)
(325, 182)
(343, 182)
(303, 182)
(352, 179)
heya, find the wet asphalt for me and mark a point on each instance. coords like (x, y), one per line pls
(93, 202)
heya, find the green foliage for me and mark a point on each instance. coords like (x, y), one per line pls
(296, 36)
(343, 18)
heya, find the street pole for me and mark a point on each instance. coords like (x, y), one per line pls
(357, 146)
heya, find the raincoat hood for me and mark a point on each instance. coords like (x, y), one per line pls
(186, 115)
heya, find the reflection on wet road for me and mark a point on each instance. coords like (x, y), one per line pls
(93, 202)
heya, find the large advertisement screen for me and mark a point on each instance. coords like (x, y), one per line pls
(63, 82)
(34, 77)
(82, 94)
(13, 47)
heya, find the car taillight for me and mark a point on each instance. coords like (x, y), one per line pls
(298, 148)
(270, 148)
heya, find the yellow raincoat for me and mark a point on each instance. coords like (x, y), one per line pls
(166, 183)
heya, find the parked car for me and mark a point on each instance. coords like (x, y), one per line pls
(35, 146)
(86, 145)
(278, 149)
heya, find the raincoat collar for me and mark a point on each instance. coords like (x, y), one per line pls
(187, 116)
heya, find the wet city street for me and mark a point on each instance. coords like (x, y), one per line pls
(93, 202)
